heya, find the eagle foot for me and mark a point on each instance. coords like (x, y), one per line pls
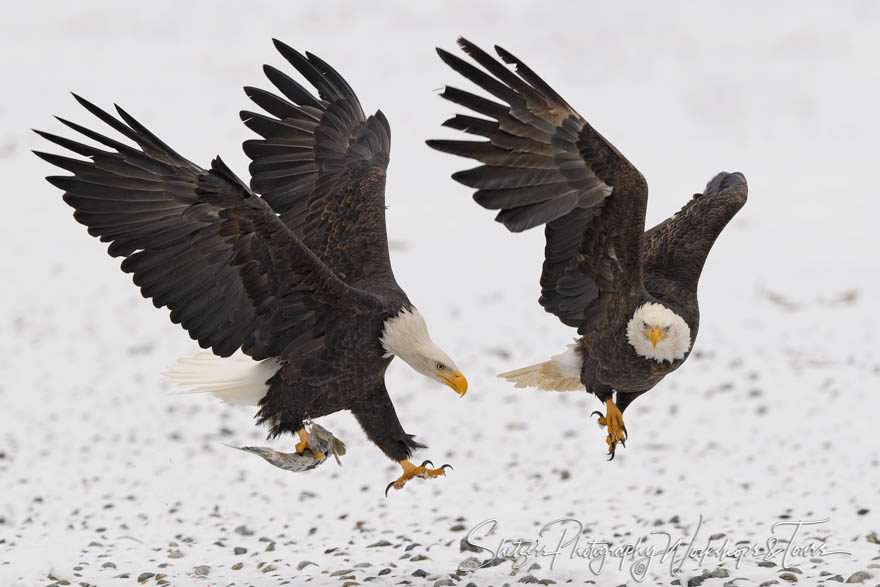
(411, 471)
(613, 420)
(303, 445)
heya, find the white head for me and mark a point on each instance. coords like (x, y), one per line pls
(658, 333)
(406, 336)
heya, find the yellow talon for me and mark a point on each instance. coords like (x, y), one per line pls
(410, 471)
(613, 419)
(303, 444)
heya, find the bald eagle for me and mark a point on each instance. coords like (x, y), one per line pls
(293, 269)
(631, 293)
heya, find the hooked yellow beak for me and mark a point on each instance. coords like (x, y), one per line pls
(456, 381)
(655, 335)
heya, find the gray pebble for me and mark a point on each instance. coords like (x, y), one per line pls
(719, 573)
(144, 576)
(790, 577)
(529, 579)
(202, 570)
(470, 562)
(341, 572)
(240, 550)
(859, 577)
(384, 571)
(378, 544)
(244, 531)
(108, 566)
(465, 546)
(304, 564)
(444, 583)
(419, 573)
(175, 554)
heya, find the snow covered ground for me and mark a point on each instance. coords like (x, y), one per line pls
(106, 479)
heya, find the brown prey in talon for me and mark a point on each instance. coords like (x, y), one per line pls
(410, 471)
(613, 419)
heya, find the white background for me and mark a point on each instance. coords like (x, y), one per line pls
(774, 415)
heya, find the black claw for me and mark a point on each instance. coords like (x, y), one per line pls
(611, 452)
(597, 413)
(447, 465)
(623, 442)
(390, 485)
(426, 463)
(625, 433)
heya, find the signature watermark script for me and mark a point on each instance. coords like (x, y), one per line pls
(565, 539)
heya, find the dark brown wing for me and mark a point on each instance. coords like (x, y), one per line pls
(544, 164)
(199, 242)
(321, 165)
(676, 249)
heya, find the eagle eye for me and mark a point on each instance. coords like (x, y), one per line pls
(440, 366)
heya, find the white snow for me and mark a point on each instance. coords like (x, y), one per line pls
(775, 413)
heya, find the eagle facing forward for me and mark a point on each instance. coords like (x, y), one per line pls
(631, 293)
(298, 279)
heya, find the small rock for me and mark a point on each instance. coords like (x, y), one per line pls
(419, 573)
(547, 582)
(837, 578)
(108, 566)
(237, 566)
(444, 583)
(341, 572)
(529, 579)
(465, 546)
(859, 577)
(384, 571)
(269, 568)
(696, 581)
(766, 564)
(244, 531)
(790, 577)
(175, 554)
(240, 550)
(768, 583)
(419, 557)
(350, 584)
(202, 570)
(304, 564)
(458, 528)
(719, 573)
(142, 578)
(379, 544)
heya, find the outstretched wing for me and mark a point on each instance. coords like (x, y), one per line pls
(544, 164)
(321, 165)
(199, 242)
(676, 249)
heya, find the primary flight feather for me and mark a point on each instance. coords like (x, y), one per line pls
(293, 270)
(631, 293)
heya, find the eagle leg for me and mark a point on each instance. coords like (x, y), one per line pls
(411, 471)
(613, 419)
(303, 444)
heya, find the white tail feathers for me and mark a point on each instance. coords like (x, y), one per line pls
(237, 380)
(560, 373)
